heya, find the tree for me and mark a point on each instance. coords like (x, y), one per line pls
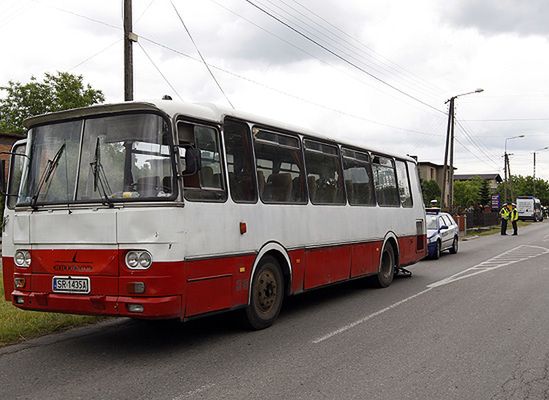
(431, 191)
(485, 197)
(57, 92)
(526, 186)
(467, 193)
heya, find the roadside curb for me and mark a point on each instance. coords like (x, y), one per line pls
(465, 239)
(68, 334)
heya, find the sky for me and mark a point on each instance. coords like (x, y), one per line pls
(375, 72)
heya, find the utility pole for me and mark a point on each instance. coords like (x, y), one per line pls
(534, 180)
(448, 177)
(129, 38)
(508, 178)
(449, 129)
(505, 162)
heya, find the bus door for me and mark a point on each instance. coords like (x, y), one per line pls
(16, 163)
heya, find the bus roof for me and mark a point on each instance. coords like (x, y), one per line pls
(205, 111)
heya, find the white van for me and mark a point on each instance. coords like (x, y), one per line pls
(529, 208)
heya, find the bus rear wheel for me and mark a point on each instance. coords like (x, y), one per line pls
(267, 294)
(386, 270)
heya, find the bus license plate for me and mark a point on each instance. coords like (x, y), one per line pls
(67, 284)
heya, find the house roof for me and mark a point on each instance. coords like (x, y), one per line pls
(486, 177)
(428, 163)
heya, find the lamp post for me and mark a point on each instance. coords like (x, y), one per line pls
(534, 174)
(448, 178)
(506, 165)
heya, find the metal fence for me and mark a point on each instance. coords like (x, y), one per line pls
(478, 218)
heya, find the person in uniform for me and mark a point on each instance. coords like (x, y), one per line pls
(504, 214)
(513, 216)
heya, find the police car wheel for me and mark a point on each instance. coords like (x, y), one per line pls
(436, 254)
(455, 245)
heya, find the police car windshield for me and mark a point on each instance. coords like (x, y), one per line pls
(432, 221)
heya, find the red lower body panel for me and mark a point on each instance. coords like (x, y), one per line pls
(153, 307)
(184, 289)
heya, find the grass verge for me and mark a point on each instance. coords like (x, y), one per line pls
(17, 325)
(494, 229)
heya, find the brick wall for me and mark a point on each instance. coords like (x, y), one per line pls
(6, 143)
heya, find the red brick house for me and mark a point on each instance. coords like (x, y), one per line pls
(6, 142)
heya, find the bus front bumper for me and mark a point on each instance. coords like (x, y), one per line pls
(137, 307)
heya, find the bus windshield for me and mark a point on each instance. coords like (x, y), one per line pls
(107, 159)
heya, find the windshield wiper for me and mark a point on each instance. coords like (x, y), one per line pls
(100, 182)
(51, 167)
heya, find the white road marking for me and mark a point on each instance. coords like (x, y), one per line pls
(513, 256)
(362, 320)
(194, 391)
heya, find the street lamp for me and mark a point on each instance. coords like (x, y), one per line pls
(450, 149)
(534, 175)
(506, 165)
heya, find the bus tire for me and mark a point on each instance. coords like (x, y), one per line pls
(386, 270)
(267, 293)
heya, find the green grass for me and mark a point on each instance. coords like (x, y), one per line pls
(17, 325)
(495, 229)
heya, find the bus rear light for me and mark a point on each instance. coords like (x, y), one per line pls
(22, 258)
(138, 259)
(19, 283)
(136, 287)
(136, 308)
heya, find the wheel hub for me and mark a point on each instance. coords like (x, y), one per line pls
(267, 290)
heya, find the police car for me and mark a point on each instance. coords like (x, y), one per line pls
(442, 233)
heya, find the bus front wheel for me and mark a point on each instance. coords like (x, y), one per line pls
(267, 294)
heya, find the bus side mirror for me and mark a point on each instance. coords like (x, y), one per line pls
(3, 177)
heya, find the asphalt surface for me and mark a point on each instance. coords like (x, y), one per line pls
(468, 326)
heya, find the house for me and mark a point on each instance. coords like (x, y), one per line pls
(429, 171)
(493, 179)
(6, 143)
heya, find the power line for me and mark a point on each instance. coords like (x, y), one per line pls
(96, 54)
(289, 94)
(342, 41)
(367, 47)
(159, 71)
(80, 15)
(390, 94)
(507, 119)
(201, 57)
(476, 145)
(143, 12)
(354, 65)
(241, 77)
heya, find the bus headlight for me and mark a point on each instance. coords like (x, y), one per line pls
(22, 258)
(138, 259)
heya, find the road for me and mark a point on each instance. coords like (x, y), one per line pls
(468, 326)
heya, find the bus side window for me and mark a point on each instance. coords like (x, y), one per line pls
(279, 165)
(203, 180)
(403, 184)
(385, 182)
(324, 173)
(358, 178)
(238, 147)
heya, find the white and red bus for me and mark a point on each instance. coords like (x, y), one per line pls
(172, 210)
